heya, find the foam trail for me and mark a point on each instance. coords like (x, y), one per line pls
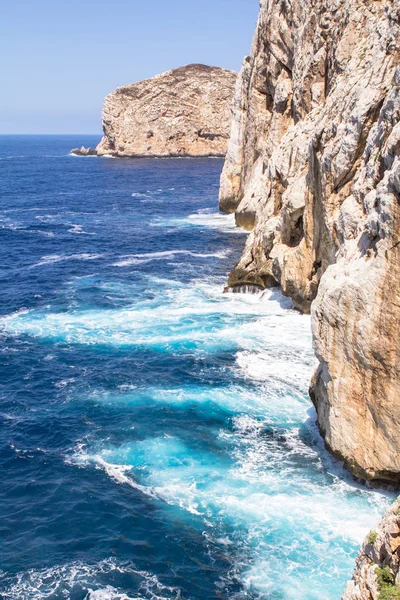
(267, 403)
(279, 509)
(56, 258)
(201, 318)
(117, 472)
(70, 579)
(202, 219)
(137, 259)
(78, 230)
(268, 494)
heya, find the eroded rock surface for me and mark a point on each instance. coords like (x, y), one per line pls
(82, 151)
(313, 171)
(183, 112)
(377, 571)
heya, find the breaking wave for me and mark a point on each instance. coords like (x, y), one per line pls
(89, 581)
(201, 219)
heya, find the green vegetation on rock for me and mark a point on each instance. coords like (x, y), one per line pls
(371, 539)
(386, 584)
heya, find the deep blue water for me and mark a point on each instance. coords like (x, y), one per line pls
(156, 437)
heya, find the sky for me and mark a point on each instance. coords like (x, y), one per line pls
(60, 58)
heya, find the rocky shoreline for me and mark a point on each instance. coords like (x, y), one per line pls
(82, 151)
(313, 173)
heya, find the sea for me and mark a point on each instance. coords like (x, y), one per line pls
(157, 440)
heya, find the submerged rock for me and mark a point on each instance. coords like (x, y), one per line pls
(313, 172)
(377, 571)
(183, 112)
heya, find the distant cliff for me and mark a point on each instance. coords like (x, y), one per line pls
(183, 112)
(313, 171)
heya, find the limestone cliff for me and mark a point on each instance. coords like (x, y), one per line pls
(313, 171)
(377, 572)
(183, 112)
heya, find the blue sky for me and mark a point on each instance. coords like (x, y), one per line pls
(59, 58)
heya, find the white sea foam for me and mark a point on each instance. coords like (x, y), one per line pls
(41, 232)
(150, 193)
(200, 318)
(291, 371)
(72, 154)
(62, 580)
(213, 220)
(202, 219)
(140, 195)
(262, 402)
(55, 258)
(117, 472)
(45, 218)
(294, 511)
(107, 593)
(269, 499)
(6, 223)
(32, 209)
(137, 259)
(78, 230)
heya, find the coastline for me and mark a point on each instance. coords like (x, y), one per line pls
(179, 413)
(156, 156)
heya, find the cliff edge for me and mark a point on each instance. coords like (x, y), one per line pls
(183, 112)
(313, 171)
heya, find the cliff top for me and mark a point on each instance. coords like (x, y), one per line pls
(192, 71)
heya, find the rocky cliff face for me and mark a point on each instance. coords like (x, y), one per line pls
(183, 112)
(313, 171)
(377, 572)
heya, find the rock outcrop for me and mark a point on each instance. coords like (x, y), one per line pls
(313, 171)
(377, 572)
(183, 112)
(82, 151)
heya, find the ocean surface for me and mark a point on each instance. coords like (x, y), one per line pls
(156, 437)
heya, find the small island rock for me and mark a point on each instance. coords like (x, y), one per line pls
(82, 151)
(183, 112)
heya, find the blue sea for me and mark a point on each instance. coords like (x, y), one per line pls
(156, 436)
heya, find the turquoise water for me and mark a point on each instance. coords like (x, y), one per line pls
(157, 439)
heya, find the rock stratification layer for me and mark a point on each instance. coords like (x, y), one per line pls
(313, 171)
(183, 112)
(377, 571)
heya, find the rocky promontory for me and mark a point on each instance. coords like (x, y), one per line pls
(183, 112)
(313, 172)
